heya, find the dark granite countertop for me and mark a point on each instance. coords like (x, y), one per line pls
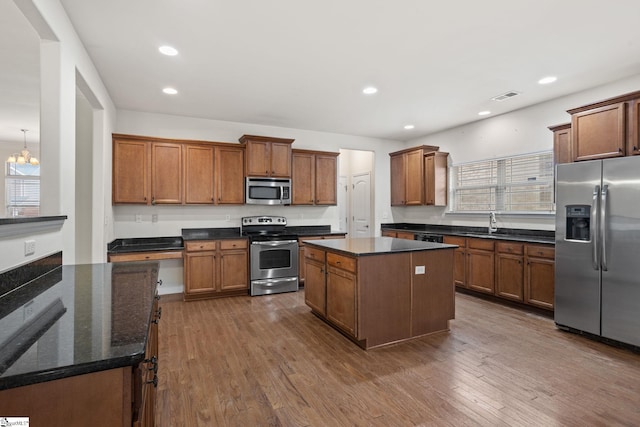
(313, 230)
(211, 233)
(145, 244)
(514, 234)
(74, 320)
(376, 245)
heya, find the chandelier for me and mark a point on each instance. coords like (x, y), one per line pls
(24, 156)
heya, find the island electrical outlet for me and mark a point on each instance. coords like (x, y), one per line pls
(420, 269)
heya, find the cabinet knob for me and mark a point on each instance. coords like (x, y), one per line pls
(620, 150)
(154, 381)
(635, 148)
(153, 200)
(145, 199)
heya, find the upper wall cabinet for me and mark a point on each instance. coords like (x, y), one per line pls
(562, 150)
(314, 177)
(161, 171)
(609, 128)
(146, 171)
(411, 183)
(266, 156)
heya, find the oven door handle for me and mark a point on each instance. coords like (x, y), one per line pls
(273, 282)
(275, 243)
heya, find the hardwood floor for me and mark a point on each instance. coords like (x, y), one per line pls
(267, 361)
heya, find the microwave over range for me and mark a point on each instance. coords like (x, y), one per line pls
(268, 191)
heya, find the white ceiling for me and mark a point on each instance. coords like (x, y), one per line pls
(303, 64)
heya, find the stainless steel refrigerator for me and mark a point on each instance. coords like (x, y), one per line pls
(597, 279)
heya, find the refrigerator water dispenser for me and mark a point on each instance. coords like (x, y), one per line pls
(578, 222)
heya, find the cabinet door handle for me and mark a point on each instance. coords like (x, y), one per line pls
(635, 148)
(159, 284)
(619, 149)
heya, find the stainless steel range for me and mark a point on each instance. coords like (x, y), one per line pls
(273, 255)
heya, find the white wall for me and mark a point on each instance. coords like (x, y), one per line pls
(63, 57)
(171, 219)
(518, 132)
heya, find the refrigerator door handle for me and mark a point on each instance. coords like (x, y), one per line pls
(603, 226)
(594, 227)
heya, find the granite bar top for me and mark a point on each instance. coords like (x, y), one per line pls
(376, 245)
(74, 320)
(313, 230)
(145, 244)
(515, 234)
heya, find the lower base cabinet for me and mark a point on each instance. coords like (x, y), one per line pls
(517, 271)
(215, 268)
(123, 396)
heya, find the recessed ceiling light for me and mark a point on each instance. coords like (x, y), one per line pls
(484, 113)
(409, 127)
(547, 80)
(369, 90)
(168, 50)
(169, 91)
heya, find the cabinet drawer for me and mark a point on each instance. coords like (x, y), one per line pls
(202, 245)
(233, 244)
(541, 251)
(510, 248)
(455, 240)
(314, 253)
(484, 244)
(340, 261)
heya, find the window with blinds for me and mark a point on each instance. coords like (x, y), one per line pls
(511, 184)
(22, 190)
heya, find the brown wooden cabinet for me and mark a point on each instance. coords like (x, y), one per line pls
(130, 177)
(230, 175)
(215, 268)
(301, 256)
(199, 176)
(599, 132)
(162, 171)
(341, 292)
(435, 178)
(480, 265)
(510, 270)
(166, 173)
(459, 259)
(418, 176)
(398, 234)
(315, 287)
(562, 149)
(314, 177)
(267, 156)
(540, 276)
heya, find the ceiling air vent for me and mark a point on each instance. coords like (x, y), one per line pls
(506, 95)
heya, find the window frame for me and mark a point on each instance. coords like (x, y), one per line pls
(499, 190)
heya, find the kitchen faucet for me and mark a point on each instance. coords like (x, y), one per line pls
(492, 223)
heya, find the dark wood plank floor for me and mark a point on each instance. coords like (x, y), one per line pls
(267, 361)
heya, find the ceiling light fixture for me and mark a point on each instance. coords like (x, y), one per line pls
(370, 90)
(24, 156)
(409, 127)
(169, 91)
(547, 80)
(484, 113)
(168, 50)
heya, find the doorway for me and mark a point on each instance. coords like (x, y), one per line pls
(356, 192)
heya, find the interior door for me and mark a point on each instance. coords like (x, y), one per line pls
(343, 220)
(361, 205)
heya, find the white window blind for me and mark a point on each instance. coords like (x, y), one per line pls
(22, 190)
(511, 184)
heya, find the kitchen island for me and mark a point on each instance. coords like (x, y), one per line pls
(78, 344)
(382, 290)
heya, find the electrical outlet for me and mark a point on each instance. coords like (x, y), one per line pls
(138, 218)
(29, 247)
(154, 218)
(227, 217)
(420, 269)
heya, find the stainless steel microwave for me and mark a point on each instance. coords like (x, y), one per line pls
(268, 191)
